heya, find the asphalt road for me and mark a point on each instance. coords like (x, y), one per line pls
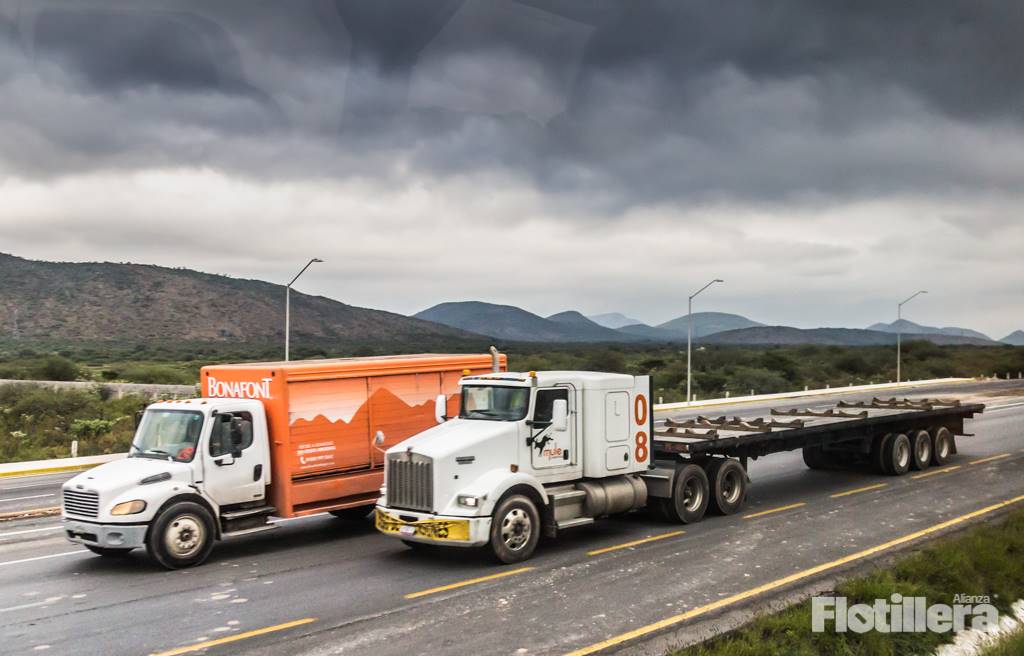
(355, 591)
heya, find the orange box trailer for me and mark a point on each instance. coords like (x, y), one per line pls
(322, 416)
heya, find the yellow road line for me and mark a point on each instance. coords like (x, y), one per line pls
(775, 510)
(627, 545)
(989, 459)
(877, 486)
(234, 638)
(792, 578)
(934, 472)
(461, 584)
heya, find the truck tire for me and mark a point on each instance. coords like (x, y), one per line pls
(181, 536)
(728, 485)
(815, 458)
(942, 445)
(690, 494)
(352, 514)
(879, 447)
(515, 529)
(920, 449)
(897, 455)
(108, 552)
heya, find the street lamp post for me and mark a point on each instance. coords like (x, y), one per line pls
(288, 305)
(899, 331)
(689, 336)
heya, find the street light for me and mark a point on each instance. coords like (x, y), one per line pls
(288, 305)
(899, 330)
(689, 335)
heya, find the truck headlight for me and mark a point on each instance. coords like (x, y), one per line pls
(129, 508)
(468, 500)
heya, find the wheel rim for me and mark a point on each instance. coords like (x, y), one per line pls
(731, 487)
(924, 450)
(185, 536)
(902, 455)
(693, 495)
(516, 529)
(943, 447)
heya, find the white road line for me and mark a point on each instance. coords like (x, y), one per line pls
(56, 555)
(31, 530)
(44, 602)
(34, 496)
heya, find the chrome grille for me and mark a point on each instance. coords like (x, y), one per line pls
(82, 503)
(410, 481)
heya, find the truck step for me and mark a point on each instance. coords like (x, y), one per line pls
(573, 523)
(567, 497)
(250, 531)
(244, 513)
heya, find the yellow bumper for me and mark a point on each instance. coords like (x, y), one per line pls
(440, 530)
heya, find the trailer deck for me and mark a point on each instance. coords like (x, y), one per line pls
(845, 423)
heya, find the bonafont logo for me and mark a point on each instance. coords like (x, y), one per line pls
(238, 389)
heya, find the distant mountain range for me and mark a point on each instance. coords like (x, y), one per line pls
(614, 320)
(911, 328)
(786, 335)
(139, 303)
(1016, 338)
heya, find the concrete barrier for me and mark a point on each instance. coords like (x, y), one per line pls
(57, 465)
(152, 391)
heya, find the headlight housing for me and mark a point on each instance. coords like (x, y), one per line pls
(469, 500)
(129, 508)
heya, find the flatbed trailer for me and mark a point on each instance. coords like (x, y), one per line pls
(846, 433)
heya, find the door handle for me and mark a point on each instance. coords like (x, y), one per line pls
(257, 472)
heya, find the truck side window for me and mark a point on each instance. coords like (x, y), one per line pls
(220, 435)
(546, 400)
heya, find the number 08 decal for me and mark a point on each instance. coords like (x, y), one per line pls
(640, 414)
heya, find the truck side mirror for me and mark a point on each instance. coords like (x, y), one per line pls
(441, 408)
(138, 418)
(236, 432)
(560, 415)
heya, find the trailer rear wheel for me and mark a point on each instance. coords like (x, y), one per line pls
(728, 484)
(920, 449)
(515, 529)
(942, 445)
(690, 494)
(181, 536)
(815, 458)
(879, 449)
(898, 455)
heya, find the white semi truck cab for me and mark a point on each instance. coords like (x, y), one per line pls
(528, 453)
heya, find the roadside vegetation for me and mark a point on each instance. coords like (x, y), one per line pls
(717, 370)
(38, 423)
(984, 560)
(1012, 645)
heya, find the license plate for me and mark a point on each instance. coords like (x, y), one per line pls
(431, 529)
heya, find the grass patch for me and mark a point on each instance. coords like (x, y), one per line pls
(986, 560)
(1011, 645)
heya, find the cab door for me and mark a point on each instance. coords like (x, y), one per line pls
(235, 461)
(551, 448)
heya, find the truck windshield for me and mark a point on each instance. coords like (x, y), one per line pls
(494, 402)
(168, 434)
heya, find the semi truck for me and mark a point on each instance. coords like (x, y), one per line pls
(541, 452)
(265, 441)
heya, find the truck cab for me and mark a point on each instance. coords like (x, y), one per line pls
(195, 468)
(527, 453)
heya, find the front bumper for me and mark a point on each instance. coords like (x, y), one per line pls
(433, 529)
(111, 536)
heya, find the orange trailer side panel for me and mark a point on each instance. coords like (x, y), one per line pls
(323, 415)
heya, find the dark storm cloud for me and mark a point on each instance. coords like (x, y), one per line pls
(621, 102)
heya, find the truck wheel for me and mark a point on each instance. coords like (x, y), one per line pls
(181, 536)
(515, 529)
(352, 514)
(879, 448)
(942, 445)
(109, 552)
(920, 449)
(728, 483)
(897, 455)
(690, 494)
(815, 458)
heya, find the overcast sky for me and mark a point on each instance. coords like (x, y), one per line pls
(827, 159)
